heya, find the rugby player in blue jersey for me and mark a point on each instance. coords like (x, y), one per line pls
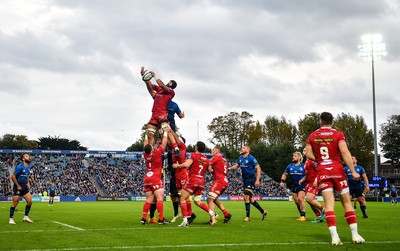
(296, 172)
(21, 187)
(173, 109)
(251, 172)
(52, 193)
(393, 194)
(357, 188)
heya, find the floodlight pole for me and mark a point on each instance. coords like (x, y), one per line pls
(373, 48)
(376, 171)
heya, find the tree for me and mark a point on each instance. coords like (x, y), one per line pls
(231, 131)
(58, 143)
(12, 141)
(306, 126)
(136, 146)
(256, 134)
(278, 131)
(279, 157)
(359, 139)
(390, 138)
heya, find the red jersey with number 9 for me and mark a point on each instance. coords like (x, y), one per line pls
(325, 145)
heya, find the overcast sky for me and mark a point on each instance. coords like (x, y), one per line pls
(71, 68)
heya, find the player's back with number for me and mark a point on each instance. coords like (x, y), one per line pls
(220, 168)
(153, 165)
(325, 143)
(198, 167)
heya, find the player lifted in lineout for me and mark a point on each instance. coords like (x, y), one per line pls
(161, 94)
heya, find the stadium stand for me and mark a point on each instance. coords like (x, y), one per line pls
(107, 175)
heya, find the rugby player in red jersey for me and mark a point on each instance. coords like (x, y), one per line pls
(198, 164)
(153, 183)
(328, 146)
(181, 174)
(161, 94)
(312, 190)
(219, 168)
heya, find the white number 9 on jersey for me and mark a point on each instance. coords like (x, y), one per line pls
(324, 151)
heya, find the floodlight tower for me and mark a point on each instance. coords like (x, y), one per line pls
(371, 49)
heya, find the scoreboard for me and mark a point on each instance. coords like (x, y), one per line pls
(377, 182)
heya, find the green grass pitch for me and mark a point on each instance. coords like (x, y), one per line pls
(115, 226)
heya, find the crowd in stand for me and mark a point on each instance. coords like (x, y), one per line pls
(115, 176)
(5, 182)
(118, 177)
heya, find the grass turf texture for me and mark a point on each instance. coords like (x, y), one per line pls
(115, 225)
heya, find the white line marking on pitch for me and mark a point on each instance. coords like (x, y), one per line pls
(206, 245)
(77, 228)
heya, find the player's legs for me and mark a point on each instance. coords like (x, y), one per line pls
(159, 194)
(28, 199)
(210, 200)
(329, 199)
(152, 210)
(171, 138)
(355, 203)
(247, 194)
(302, 206)
(184, 196)
(363, 205)
(317, 208)
(295, 200)
(150, 131)
(14, 204)
(146, 205)
(175, 204)
(350, 216)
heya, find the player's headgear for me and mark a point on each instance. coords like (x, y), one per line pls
(173, 84)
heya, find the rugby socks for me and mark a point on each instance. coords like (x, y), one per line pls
(146, 208)
(247, 206)
(184, 209)
(330, 219)
(204, 207)
(176, 208)
(12, 210)
(298, 208)
(27, 210)
(189, 207)
(160, 209)
(225, 212)
(153, 208)
(302, 214)
(255, 203)
(364, 210)
(350, 217)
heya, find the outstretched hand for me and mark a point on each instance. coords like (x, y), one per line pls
(142, 70)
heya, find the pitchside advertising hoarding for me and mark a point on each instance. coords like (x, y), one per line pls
(134, 198)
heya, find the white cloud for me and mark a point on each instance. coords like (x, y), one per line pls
(71, 68)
